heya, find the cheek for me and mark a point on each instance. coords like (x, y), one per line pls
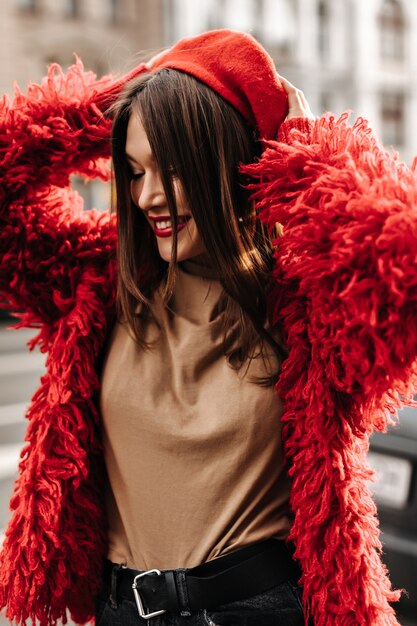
(192, 242)
(198, 239)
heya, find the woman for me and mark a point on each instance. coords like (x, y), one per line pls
(176, 387)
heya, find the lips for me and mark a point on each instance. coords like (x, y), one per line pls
(162, 224)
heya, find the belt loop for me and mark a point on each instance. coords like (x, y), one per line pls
(183, 592)
(113, 586)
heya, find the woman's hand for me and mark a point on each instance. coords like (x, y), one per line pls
(297, 103)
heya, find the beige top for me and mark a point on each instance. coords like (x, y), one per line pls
(192, 447)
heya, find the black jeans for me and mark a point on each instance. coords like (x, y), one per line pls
(280, 606)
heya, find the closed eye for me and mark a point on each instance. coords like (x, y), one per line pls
(136, 175)
(131, 173)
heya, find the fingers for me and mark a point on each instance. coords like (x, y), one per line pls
(297, 102)
(286, 84)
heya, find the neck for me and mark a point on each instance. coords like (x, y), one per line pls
(199, 265)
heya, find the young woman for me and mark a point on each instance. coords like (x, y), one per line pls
(196, 450)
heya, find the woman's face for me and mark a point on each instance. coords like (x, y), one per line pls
(148, 195)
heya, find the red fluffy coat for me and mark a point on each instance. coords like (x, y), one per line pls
(345, 296)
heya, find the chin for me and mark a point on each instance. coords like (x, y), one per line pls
(181, 255)
(184, 252)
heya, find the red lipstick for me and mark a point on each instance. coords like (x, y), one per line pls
(167, 232)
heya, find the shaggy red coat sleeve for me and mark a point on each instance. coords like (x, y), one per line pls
(346, 297)
(46, 239)
(57, 268)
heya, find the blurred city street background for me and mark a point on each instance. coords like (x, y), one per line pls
(359, 55)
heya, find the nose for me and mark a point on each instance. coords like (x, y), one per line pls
(149, 191)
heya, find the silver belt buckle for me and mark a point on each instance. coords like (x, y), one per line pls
(139, 599)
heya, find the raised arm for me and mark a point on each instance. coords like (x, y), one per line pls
(56, 129)
(349, 212)
(346, 297)
(46, 239)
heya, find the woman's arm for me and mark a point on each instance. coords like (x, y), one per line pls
(47, 242)
(348, 208)
(46, 239)
(346, 297)
(56, 129)
(349, 212)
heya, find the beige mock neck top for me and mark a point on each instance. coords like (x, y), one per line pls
(192, 447)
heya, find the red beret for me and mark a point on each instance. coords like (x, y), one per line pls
(236, 66)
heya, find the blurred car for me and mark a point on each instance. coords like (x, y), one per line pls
(394, 457)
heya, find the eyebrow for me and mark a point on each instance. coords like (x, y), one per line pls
(133, 160)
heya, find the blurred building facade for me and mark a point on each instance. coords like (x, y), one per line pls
(109, 35)
(344, 54)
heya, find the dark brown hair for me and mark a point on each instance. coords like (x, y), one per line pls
(200, 139)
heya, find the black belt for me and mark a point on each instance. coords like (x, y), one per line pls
(235, 576)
